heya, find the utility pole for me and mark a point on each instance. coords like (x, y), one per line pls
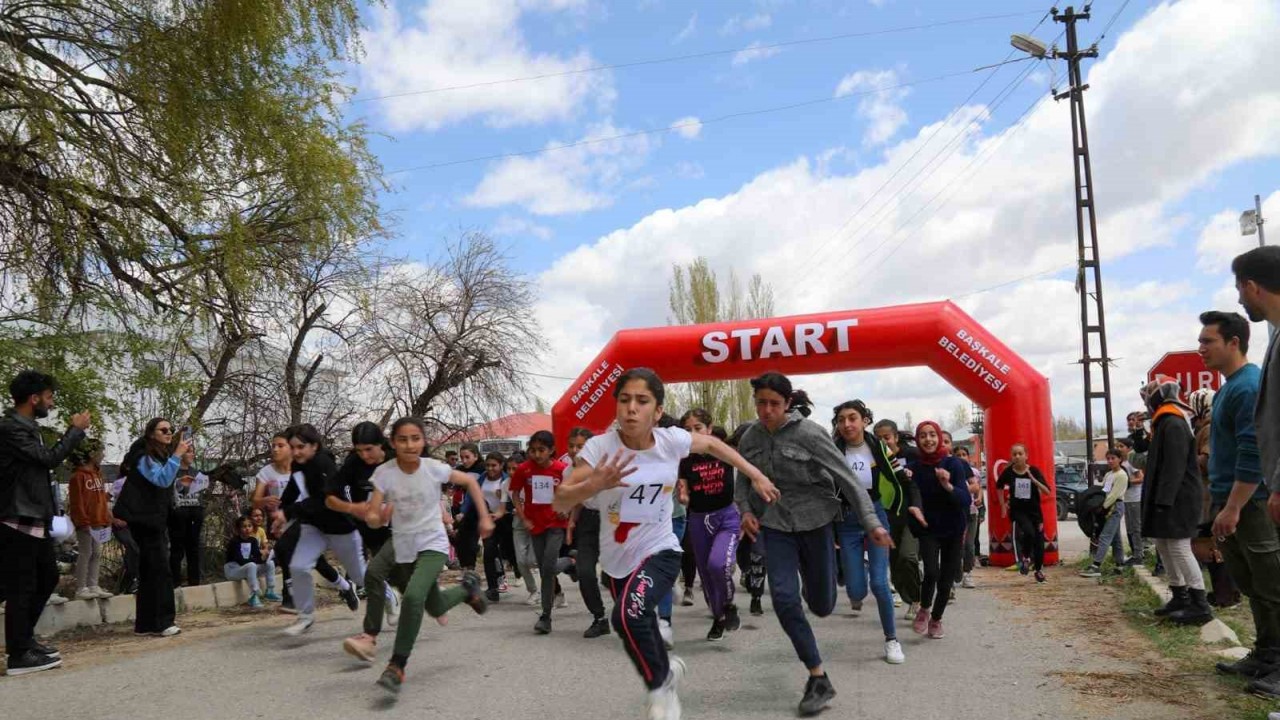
(1093, 326)
(1257, 209)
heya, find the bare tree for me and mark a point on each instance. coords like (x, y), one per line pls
(448, 342)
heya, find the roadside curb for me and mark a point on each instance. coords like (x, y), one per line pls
(1214, 632)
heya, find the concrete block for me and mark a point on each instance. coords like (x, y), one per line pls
(231, 594)
(119, 609)
(75, 613)
(1216, 631)
(1233, 653)
(198, 597)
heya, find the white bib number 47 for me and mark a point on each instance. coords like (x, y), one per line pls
(645, 503)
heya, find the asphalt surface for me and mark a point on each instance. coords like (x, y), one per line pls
(995, 661)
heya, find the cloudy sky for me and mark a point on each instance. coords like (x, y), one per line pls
(847, 151)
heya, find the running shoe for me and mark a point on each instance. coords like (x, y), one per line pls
(543, 626)
(255, 602)
(717, 631)
(86, 593)
(360, 593)
(31, 662)
(503, 587)
(271, 596)
(1039, 576)
(897, 599)
(561, 601)
(664, 702)
(475, 598)
(303, 625)
(363, 646)
(912, 610)
(668, 637)
(391, 680)
(1093, 571)
(935, 630)
(392, 609)
(921, 623)
(353, 602)
(599, 628)
(168, 632)
(893, 652)
(102, 594)
(534, 600)
(731, 620)
(757, 608)
(56, 599)
(687, 600)
(818, 693)
(49, 650)
(492, 596)
(1024, 566)
(967, 583)
(855, 607)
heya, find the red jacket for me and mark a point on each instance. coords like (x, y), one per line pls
(89, 499)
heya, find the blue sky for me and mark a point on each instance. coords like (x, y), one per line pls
(1184, 116)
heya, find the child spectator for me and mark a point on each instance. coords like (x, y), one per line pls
(268, 552)
(91, 516)
(1115, 484)
(244, 560)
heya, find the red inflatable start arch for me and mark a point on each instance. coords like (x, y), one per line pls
(940, 335)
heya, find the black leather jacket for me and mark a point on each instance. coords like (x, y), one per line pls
(25, 464)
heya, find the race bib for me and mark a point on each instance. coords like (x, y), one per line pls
(647, 497)
(1022, 488)
(544, 489)
(246, 550)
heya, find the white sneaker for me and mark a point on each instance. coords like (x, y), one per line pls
(912, 610)
(169, 631)
(893, 652)
(302, 625)
(56, 599)
(664, 703)
(86, 593)
(968, 582)
(392, 609)
(102, 594)
(897, 599)
(534, 600)
(561, 601)
(668, 637)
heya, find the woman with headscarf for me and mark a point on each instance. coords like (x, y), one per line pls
(945, 500)
(1171, 501)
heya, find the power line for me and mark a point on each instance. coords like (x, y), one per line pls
(694, 56)
(1112, 21)
(699, 123)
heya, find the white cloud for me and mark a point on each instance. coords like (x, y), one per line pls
(689, 29)
(690, 170)
(511, 226)
(746, 23)
(569, 180)
(1220, 240)
(754, 51)
(1010, 217)
(450, 43)
(883, 109)
(688, 128)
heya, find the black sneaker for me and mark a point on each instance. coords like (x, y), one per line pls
(543, 626)
(756, 607)
(717, 630)
(360, 593)
(687, 600)
(43, 649)
(475, 598)
(1266, 686)
(1024, 566)
(492, 596)
(31, 662)
(353, 602)
(1040, 576)
(818, 693)
(731, 620)
(391, 680)
(1250, 666)
(599, 628)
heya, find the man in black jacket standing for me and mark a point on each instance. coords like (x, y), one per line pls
(28, 570)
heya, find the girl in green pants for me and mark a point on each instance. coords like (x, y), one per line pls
(410, 488)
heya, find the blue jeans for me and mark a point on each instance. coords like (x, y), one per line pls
(801, 563)
(857, 566)
(664, 607)
(1111, 537)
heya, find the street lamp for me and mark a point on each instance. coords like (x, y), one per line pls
(1029, 45)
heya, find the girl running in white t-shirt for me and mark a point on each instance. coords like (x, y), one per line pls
(632, 473)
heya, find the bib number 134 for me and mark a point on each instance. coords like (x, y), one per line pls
(645, 503)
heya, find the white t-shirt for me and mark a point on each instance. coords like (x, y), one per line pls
(416, 522)
(646, 499)
(274, 480)
(495, 492)
(861, 463)
(1134, 492)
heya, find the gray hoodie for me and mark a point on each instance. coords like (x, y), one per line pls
(803, 462)
(1266, 417)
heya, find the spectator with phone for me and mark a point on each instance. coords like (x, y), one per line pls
(186, 522)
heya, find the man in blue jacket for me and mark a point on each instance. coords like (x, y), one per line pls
(28, 570)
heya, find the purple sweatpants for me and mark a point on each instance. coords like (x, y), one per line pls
(714, 536)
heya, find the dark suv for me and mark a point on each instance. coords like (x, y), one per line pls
(1070, 482)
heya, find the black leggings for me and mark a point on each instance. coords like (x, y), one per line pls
(284, 555)
(942, 557)
(688, 561)
(185, 527)
(1029, 538)
(751, 563)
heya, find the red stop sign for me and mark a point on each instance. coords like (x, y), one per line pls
(1188, 369)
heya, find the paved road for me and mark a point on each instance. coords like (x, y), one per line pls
(494, 666)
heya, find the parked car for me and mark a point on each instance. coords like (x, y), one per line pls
(1070, 482)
